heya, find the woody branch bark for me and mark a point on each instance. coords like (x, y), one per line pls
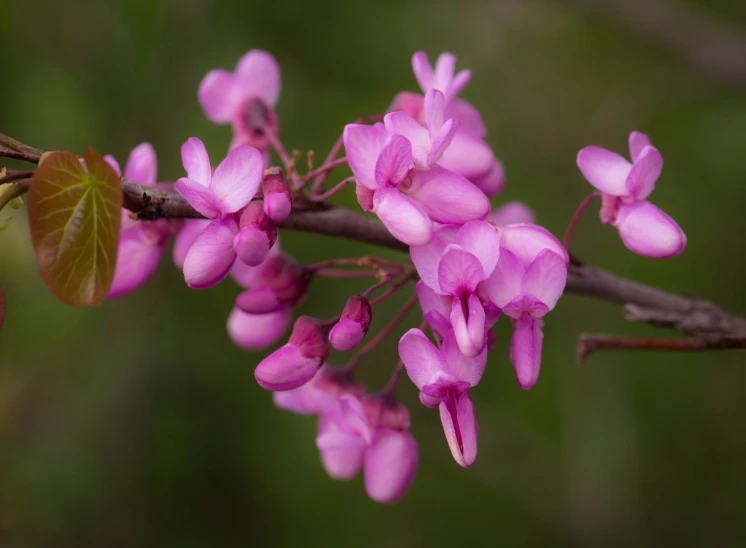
(642, 303)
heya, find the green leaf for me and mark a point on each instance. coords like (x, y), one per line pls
(74, 213)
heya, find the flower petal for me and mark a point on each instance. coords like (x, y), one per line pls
(211, 256)
(251, 245)
(423, 72)
(648, 231)
(442, 140)
(434, 107)
(644, 173)
(426, 259)
(258, 300)
(481, 240)
(363, 145)
(113, 163)
(637, 141)
(525, 305)
(545, 278)
(398, 123)
(505, 282)
(460, 427)
(464, 368)
(257, 331)
(186, 237)
(406, 221)
(142, 165)
(341, 453)
(258, 75)
(468, 116)
(390, 465)
(493, 182)
(420, 357)
(447, 197)
(196, 161)
(604, 169)
(459, 271)
(525, 241)
(525, 350)
(512, 213)
(394, 161)
(468, 156)
(199, 197)
(137, 259)
(458, 83)
(346, 335)
(286, 368)
(219, 96)
(444, 69)
(434, 309)
(237, 178)
(468, 321)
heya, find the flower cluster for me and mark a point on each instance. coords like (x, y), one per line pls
(425, 170)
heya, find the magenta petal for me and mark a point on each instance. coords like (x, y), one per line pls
(186, 237)
(605, 170)
(402, 217)
(468, 156)
(420, 357)
(429, 401)
(469, 329)
(137, 259)
(545, 278)
(434, 309)
(257, 331)
(251, 245)
(218, 96)
(346, 335)
(645, 172)
(448, 198)
(277, 206)
(394, 161)
(426, 259)
(525, 350)
(481, 240)
(363, 145)
(211, 256)
(390, 465)
(459, 271)
(526, 242)
(462, 367)
(286, 368)
(648, 231)
(142, 165)
(460, 427)
(341, 453)
(199, 197)
(237, 178)
(258, 75)
(259, 300)
(493, 182)
(458, 83)
(445, 66)
(512, 213)
(525, 304)
(196, 161)
(505, 282)
(637, 141)
(113, 163)
(398, 123)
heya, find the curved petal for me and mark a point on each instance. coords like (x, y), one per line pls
(447, 197)
(258, 75)
(302, 400)
(458, 83)
(605, 170)
(199, 197)
(285, 369)
(512, 213)
(545, 278)
(434, 108)
(251, 245)
(390, 465)
(644, 173)
(525, 350)
(637, 141)
(402, 217)
(423, 72)
(459, 271)
(525, 305)
(258, 300)
(219, 96)
(211, 256)
(442, 140)
(394, 161)
(468, 116)
(142, 165)
(460, 427)
(426, 259)
(445, 66)
(420, 357)
(346, 335)
(363, 145)
(196, 161)
(648, 231)
(464, 368)
(257, 331)
(468, 321)
(505, 282)
(525, 241)
(398, 123)
(341, 453)
(468, 156)
(481, 240)
(493, 182)
(137, 259)
(434, 309)
(186, 237)
(237, 178)
(113, 163)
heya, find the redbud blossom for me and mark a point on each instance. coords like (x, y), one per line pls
(352, 325)
(256, 236)
(279, 282)
(277, 196)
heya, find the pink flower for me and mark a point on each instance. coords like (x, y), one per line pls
(526, 284)
(320, 394)
(217, 196)
(625, 186)
(277, 283)
(512, 213)
(141, 243)
(277, 196)
(257, 331)
(349, 441)
(352, 325)
(256, 236)
(444, 378)
(454, 264)
(245, 98)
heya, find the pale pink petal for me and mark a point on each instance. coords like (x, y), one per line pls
(285, 368)
(545, 278)
(423, 72)
(219, 96)
(341, 460)
(442, 140)
(460, 427)
(420, 357)
(434, 309)
(481, 240)
(429, 401)
(525, 304)
(398, 123)
(211, 256)
(648, 231)
(186, 237)
(526, 241)
(512, 213)
(137, 259)
(257, 331)
(458, 83)
(363, 145)
(113, 163)
(459, 271)
(390, 465)
(434, 106)
(525, 350)
(196, 161)
(468, 116)
(411, 104)
(447, 197)
(406, 221)
(505, 282)
(604, 169)
(199, 197)
(142, 165)
(645, 172)
(251, 245)
(302, 400)
(364, 197)
(468, 156)
(237, 178)
(426, 259)
(464, 368)
(444, 69)
(468, 321)
(637, 141)
(394, 161)
(258, 75)
(493, 182)
(354, 417)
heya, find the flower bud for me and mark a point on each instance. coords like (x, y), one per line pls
(281, 282)
(384, 411)
(256, 236)
(353, 325)
(296, 363)
(390, 465)
(257, 331)
(277, 196)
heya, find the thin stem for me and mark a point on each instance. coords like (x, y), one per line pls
(357, 261)
(334, 190)
(274, 140)
(349, 274)
(393, 289)
(15, 175)
(576, 218)
(18, 189)
(367, 293)
(326, 168)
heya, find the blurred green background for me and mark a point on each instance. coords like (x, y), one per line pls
(138, 423)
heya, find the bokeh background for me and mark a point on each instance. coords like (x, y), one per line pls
(138, 423)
